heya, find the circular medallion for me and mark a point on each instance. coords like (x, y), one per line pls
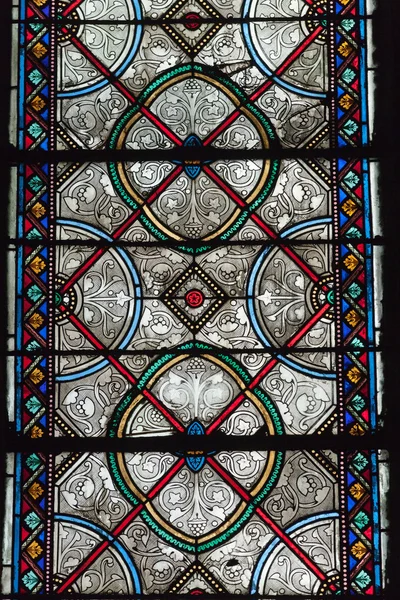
(192, 20)
(188, 197)
(194, 298)
(190, 497)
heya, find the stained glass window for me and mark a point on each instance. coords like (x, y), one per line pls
(193, 300)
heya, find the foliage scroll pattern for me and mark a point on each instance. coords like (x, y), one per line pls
(171, 295)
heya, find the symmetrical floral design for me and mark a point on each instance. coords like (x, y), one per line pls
(194, 283)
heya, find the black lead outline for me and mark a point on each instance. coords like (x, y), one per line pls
(386, 18)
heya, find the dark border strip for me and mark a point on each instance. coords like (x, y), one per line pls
(276, 350)
(182, 154)
(330, 18)
(282, 242)
(387, 125)
(171, 596)
(180, 443)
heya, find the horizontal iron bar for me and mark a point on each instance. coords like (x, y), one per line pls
(171, 596)
(217, 442)
(326, 19)
(197, 352)
(185, 154)
(61, 6)
(280, 242)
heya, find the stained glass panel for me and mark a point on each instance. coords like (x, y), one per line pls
(192, 306)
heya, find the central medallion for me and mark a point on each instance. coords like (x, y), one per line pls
(187, 494)
(191, 192)
(192, 20)
(189, 24)
(194, 297)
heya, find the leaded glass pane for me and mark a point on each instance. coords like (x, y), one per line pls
(193, 300)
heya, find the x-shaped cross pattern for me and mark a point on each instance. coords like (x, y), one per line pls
(141, 205)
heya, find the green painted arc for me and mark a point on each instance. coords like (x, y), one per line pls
(141, 384)
(245, 102)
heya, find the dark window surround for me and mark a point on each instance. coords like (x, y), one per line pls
(385, 148)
